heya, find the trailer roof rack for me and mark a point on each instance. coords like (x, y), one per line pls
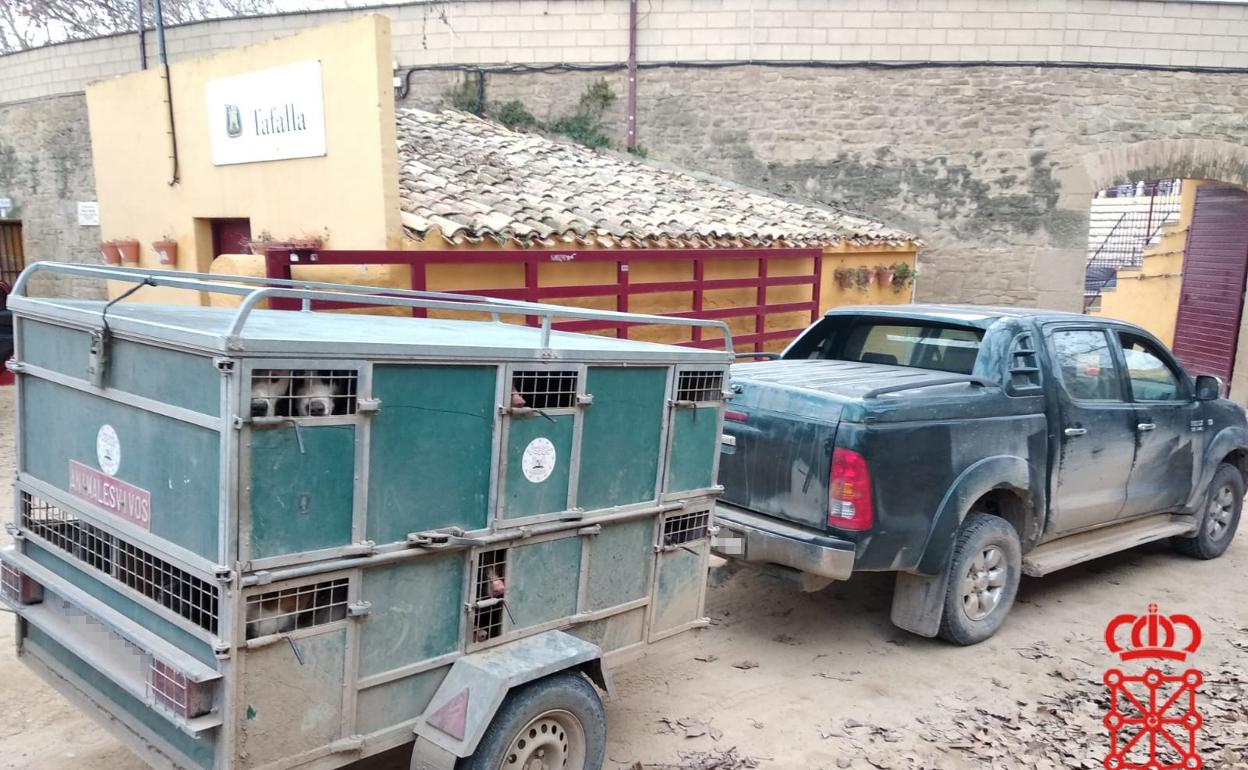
(255, 290)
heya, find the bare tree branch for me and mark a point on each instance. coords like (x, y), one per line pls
(30, 23)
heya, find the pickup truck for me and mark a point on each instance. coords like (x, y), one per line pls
(962, 447)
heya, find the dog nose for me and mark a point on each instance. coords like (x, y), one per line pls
(259, 407)
(317, 409)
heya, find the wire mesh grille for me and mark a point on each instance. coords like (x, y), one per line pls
(303, 392)
(685, 527)
(700, 386)
(168, 687)
(544, 389)
(176, 589)
(292, 609)
(10, 583)
(488, 594)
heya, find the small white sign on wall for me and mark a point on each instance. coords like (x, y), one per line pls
(88, 213)
(272, 114)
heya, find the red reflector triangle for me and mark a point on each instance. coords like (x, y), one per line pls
(452, 717)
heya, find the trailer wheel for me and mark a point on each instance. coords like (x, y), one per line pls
(554, 723)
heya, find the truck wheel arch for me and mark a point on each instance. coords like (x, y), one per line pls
(1003, 481)
(1230, 445)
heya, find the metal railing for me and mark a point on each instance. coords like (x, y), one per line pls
(255, 290)
(1122, 248)
(759, 283)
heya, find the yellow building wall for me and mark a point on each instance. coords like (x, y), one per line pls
(1149, 296)
(347, 198)
(466, 275)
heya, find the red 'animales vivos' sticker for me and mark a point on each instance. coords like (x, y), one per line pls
(123, 500)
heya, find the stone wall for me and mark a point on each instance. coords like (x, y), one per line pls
(993, 167)
(45, 167)
(927, 113)
(1181, 33)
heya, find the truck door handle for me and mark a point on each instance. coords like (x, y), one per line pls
(1076, 431)
(1146, 426)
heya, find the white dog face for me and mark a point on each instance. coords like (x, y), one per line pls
(315, 396)
(268, 388)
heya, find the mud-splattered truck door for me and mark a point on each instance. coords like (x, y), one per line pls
(249, 538)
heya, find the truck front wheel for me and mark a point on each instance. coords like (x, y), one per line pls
(983, 579)
(554, 723)
(1223, 507)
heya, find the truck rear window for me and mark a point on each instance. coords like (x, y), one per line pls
(922, 346)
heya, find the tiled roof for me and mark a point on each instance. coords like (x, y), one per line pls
(473, 180)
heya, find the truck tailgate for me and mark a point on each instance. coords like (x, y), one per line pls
(777, 449)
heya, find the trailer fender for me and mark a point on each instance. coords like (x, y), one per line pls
(474, 688)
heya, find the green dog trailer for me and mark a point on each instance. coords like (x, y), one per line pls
(253, 538)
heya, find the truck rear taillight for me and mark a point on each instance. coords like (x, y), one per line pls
(849, 491)
(16, 587)
(174, 692)
(734, 416)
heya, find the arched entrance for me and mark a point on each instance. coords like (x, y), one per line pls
(1189, 286)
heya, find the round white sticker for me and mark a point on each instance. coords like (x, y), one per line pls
(108, 450)
(539, 460)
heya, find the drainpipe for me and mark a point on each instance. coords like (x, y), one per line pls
(631, 141)
(174, 177)
(138, 24)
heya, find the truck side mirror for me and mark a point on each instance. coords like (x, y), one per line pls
(1208, 387)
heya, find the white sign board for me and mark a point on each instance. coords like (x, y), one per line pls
(271, 114)
(88, 213)
(5, 205)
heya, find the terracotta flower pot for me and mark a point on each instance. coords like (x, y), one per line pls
(844, 278)
(167, 251)
(884, 275)
(129, 252)
(110, 253)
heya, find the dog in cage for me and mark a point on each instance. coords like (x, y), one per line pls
(270, 393)
(280, 612)
(322, 392)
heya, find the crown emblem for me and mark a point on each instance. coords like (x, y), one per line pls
(1152, 636)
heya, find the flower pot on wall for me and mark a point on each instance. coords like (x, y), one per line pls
(884, 275)
(167, 250)
(844, 277)
(110, 253)
(129, 251)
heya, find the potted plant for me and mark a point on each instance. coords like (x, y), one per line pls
(129, 248)
(862, 277)
(903, 275)
(844, 277)
(884, 274)
(108, 250)
(167, 249)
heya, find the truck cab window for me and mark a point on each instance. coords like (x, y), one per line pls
(1152, 379)
(1086, 365)
(922, 346)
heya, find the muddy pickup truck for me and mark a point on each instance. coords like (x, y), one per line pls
(963, 447)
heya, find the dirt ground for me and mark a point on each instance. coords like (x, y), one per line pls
(788, 680)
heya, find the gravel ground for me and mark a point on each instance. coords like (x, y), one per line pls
(788, 680)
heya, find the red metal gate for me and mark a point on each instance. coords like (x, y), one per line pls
(278, 264)
(1211, 300)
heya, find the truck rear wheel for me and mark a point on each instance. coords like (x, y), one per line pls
(983, 579)
(1221, 516)
(554, 723)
